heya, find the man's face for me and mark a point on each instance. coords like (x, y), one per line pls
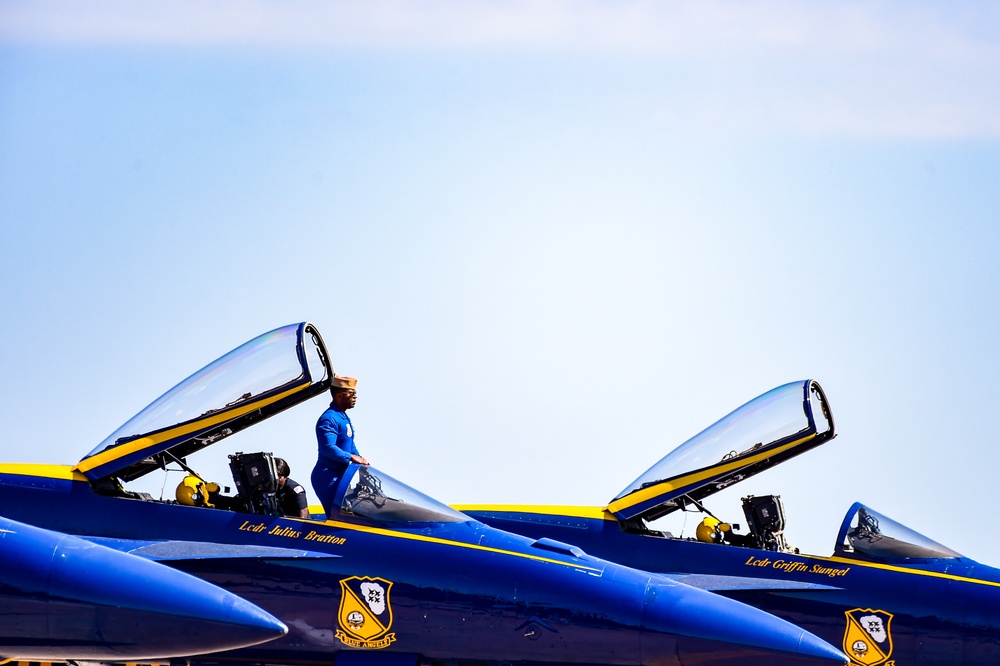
(344, 399)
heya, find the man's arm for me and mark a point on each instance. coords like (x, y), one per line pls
(301, 501)
(327, 432)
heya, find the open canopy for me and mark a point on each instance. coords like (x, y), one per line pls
(769, 429)
(253, 382)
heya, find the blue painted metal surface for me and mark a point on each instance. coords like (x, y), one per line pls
(923, 603)
(394, 578)
(65, 598)
(459, 590)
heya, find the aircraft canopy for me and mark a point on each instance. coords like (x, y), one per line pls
(372, 495)
(769, 429)
(253, 382)
(866, 533)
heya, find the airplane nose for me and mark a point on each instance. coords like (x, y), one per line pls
(71, 599)
(672, 608)
(191, 615)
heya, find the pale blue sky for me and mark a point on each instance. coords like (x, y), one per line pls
(553, 240)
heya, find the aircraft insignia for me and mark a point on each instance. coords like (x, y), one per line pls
(365, 614)
(867, 639)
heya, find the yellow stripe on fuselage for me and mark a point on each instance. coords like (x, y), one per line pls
(61, 472)
(116, 452)
(447, 542)
(597, 513)
(68, 473)
(919, 572)
(592, 512)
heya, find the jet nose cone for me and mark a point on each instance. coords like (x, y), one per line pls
(247, 623)
(190, 615)
(671, 607)
(76, 600)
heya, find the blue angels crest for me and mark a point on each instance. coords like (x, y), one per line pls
(868, 637)
(365, 615)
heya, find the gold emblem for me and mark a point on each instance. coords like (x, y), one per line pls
(365, 613)
(868, 637)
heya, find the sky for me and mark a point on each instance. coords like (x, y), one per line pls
(552, 240)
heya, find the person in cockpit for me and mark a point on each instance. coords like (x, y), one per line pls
(291, 496)
(335, 436)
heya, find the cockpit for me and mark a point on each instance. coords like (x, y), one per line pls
(867, 534)
(365, 492)
(766, 431)
(255, 381)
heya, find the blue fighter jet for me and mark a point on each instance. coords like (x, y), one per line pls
(887, 595)
(96, 571)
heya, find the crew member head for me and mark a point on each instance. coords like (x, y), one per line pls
(281, 467)
(344, 393)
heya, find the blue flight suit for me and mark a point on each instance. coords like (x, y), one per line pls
(335, 436)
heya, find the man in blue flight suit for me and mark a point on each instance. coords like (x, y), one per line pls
(335, 436)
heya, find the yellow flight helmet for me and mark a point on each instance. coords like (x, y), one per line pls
(192, 491)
